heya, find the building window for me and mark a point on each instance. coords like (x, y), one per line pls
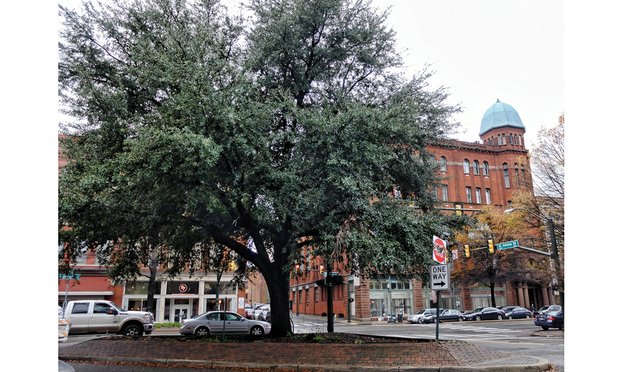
(506, 176)
(307, 295)
(485, 168)
(488, 195)
(443, 164)
(466, 166)
(517, 180)
(444, 192)
(476, 167)
(468, 194)
(316, 294)
(435, 193)
(478, 196)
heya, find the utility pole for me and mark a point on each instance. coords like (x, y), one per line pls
(330, 299)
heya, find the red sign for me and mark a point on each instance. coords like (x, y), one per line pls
(440, 248)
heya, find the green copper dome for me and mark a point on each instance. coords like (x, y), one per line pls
(500, 115)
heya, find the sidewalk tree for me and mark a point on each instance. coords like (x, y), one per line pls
(502, 266)
(290, 130)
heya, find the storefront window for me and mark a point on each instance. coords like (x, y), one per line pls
(141, 288)
(225, 288)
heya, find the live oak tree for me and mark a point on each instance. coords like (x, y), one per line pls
(291, 128)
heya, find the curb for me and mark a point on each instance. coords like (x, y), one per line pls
(540, 365)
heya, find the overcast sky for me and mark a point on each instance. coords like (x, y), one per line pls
(483, 50)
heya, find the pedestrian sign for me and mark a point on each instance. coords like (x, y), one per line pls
(440, 277)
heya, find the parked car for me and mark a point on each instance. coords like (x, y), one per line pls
(249, 311)
(223, 322)
(261, 312)
(547, 308)
(450, 315)
(473, 311)
(516, 312)
(423, 316)
(486, 313)
(100, 316)
(550, 319)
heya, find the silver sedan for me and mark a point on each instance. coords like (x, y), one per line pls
(223, 322)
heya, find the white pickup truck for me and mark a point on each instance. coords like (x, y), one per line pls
(100, 316)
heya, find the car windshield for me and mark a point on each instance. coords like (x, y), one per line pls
(421, 311)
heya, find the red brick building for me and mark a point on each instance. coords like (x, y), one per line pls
(471, 175)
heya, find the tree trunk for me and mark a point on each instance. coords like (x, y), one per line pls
(150, 297)
(278, 285)
(492, 286)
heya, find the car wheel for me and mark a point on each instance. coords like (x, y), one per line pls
(500, 317)
(510, 317)
(460, 319)
(133, 330)
(527, 316)
(545, 328)
(257, 331)
(202, 331)
(478, 318)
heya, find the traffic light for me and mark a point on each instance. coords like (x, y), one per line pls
(491, 246)
(466, 250)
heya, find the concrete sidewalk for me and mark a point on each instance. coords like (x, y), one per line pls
(277, 356)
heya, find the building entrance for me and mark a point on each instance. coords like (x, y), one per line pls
(181, 312)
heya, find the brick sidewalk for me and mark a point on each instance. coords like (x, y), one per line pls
(405, 354)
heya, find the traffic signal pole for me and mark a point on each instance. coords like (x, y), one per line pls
(330, 299)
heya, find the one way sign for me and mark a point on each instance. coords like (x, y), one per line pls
(440, 277)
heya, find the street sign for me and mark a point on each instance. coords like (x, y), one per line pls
(507, 245)
(440, 277)
(69, 276)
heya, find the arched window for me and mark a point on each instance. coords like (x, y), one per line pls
(506, 176)
(485, 168)
(476, 167)
(466, 166)
(443, 164)
(517, 180)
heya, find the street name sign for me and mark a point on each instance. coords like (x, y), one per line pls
(507, 245)
(440, 277)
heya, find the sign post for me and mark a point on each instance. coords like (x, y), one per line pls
(440, 280)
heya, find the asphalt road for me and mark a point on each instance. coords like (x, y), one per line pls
(519, 337)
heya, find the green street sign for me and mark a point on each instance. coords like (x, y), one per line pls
(507, 245)
(69, 276)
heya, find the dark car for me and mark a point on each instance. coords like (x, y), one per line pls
(486, 313)
(516, 312)
(550, 319)
(547, 308)
(450, 315)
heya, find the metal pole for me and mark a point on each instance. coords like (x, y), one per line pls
(437, 317)
(330, 300)
(297, 293)
(348, 300)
